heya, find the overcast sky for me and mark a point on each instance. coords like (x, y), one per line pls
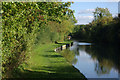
(84, 10)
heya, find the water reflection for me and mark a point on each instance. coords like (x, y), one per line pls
(100, 69)
(107, 56)
(95, 61)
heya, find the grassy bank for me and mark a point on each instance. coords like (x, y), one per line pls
(45, 63)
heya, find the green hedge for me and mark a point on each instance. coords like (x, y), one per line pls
(24, 23)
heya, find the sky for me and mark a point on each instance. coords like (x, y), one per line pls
(119, 7)
(91, 0)
(84, 10)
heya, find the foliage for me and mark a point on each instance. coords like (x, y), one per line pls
(54, 31)
(19, 27)
(101, 12)
(22, 22)
(103, 29)
(81, 32)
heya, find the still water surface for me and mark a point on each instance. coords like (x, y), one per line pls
(95, 61)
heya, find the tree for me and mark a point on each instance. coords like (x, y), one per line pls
(101, 12)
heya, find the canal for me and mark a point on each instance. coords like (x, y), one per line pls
(94, 61)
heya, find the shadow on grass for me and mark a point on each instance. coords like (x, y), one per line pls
(57, 70)
(50, 73)
(52, 56)
(50, 51)
(62, 43)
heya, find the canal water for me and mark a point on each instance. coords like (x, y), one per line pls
(94, 61)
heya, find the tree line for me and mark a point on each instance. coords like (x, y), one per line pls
(103, 29)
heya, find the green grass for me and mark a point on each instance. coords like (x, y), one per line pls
(45, 63)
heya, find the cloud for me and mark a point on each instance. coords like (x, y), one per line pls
(115, 15)
(84, 19)
(79, 23)
(87, 11)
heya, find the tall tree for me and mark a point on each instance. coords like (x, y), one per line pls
(101, 12)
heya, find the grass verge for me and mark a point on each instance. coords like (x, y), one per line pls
(44, 63)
